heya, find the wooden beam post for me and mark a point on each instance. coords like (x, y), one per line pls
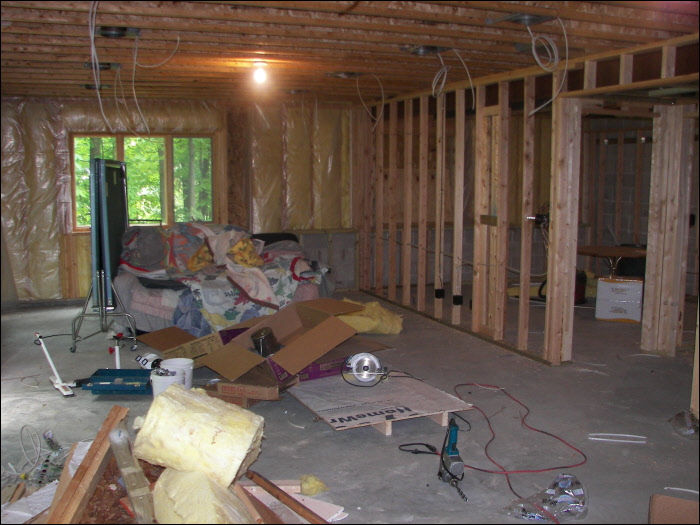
(458, 206)
(527, 211)
(619, 183)
(666, 235)
(363, 176)
(563, 229)
(407, 240)
(422, 204)
(391, 198)
(379, 205)
(482, 176)
(438, 267)
(499, 293)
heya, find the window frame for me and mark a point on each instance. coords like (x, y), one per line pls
(167, 186)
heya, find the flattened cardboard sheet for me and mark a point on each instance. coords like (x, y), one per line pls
(344, 406)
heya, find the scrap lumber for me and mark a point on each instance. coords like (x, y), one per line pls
(261, 513)
(137, 485)
(285, 498)
(76, 496)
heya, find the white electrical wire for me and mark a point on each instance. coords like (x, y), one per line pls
(441, 77)
(471, 84)
(133, 84)
(682, 489)
(30, 463)
(95, 61)
(177, 46)
(381, 111)
(552, 60)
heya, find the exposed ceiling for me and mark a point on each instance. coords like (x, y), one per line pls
(207, 50)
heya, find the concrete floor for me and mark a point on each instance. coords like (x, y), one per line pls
(609, 388)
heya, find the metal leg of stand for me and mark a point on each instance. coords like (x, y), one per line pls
(78, 321)
(103, 315)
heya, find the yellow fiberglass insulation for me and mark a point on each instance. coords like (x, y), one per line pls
(191, 497)
(190, 431)
(373, 319)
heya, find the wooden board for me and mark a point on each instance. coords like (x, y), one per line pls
(71, 506)
(344, 406)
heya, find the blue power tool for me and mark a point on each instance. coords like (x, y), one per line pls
(451, 465)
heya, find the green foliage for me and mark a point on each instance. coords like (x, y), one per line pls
(145, 169)
(146, 177)
(84, 149)
(192, 179)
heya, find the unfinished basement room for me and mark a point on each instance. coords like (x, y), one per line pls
(350, 261)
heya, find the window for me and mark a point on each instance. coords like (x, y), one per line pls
(169, 178)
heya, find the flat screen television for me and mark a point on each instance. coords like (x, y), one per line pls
(109, 215)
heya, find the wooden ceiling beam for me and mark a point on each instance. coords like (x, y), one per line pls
(474, 13)
(144, 14)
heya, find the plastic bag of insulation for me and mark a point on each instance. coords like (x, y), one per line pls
(565, 499)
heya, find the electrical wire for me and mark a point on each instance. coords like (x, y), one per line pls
(146, 66)
(522, 419)
(133, 85)
(95, 61)
(30, 463)
(381, 111)
(552, 60)
(441, 77)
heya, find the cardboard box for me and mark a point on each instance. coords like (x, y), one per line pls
(331, 363)
(619, 299)
(307, 330)
(667, 509)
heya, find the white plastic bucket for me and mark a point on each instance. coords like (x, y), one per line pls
(160, 383)
(182, 366)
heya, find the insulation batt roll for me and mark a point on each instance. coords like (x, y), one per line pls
(191, 497)
(188, 430)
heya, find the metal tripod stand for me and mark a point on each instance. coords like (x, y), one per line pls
(104, 312)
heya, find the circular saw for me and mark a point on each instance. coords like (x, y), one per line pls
(363, 370)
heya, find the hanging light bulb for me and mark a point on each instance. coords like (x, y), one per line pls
(260, 75)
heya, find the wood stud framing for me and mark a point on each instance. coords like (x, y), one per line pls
(482, 178)
(392, 200)
(407, 202)
(527, 210)
(439, 206)
(561, 274)
(666, 244)
(670, 196)
(379, 205)
(458, 207)
(422, 204)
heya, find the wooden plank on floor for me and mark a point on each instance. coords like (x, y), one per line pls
(528, 162)
(438, 267)
(422, 205)
(71, 506)
(407, 241)
(391, 200)
(458, 207)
